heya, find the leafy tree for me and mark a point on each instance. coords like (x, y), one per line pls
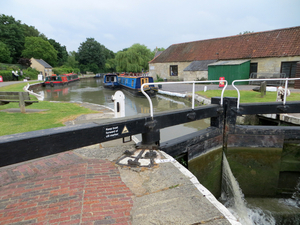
(30, 31)
(91, 55)
(4, 53)
(246, 32)
(37, 47)
(134, 59)
(11, 33)
(158, 49)
(71, 60)
(110, 65)
(62, 53)
(24, 62)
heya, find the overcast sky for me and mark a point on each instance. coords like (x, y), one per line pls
(118, 24)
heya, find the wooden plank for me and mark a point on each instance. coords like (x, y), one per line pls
(22, 103)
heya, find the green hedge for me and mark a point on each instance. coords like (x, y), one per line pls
(63, 70)
(31, 73)
(6, 75)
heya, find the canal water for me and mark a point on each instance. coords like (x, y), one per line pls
(92, 91)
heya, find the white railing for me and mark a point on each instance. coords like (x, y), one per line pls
(276, 79)
(183, 82)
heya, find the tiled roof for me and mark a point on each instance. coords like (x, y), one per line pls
(275, 43)
(230, 62)
(42, 62)
(199, 65)
(158, 53)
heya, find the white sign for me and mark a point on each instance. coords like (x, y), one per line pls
(111, 131)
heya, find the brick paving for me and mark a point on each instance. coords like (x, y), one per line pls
(64, 189)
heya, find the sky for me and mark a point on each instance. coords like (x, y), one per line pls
(118, 24)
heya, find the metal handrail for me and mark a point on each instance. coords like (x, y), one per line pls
(183, 82)
(276, 79)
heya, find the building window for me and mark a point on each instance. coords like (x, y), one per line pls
(289, 68)
(174, 70)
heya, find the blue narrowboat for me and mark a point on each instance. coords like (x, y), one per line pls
(133, 83)
(111, 81)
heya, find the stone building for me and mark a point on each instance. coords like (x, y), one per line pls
(269, 52)
(41, 66)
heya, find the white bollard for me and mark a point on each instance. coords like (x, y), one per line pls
(205, 88)
(119, 104)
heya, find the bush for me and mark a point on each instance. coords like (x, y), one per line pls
(6, 66)
(6, 75)
(63, 70)
(159, 79)
(31, 73)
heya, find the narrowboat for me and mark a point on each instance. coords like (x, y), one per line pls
(133, 83)
(60, 79)
(111, 81)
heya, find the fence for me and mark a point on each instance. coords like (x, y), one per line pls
(222, 113)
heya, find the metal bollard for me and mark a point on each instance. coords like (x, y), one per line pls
(119, 104)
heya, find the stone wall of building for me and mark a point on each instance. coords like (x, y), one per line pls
(195, 75)
(163, 70)
(36, 65)
(272, 64)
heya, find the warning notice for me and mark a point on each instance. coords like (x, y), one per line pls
(125, 130)
(112, 131)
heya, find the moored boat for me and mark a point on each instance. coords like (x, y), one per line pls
(60, 79)
(111, 81)
(133, 82)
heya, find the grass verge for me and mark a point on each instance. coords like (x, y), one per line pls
(247, 96)
(54, 116)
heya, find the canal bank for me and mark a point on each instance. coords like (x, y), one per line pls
(86, 186)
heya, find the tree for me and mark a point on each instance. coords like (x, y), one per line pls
(134, 59)
(62, 53)
(37, 47)
(246, 32)
(91, 56)
(11, 34)
(4, 53)
(24, 62)
(71, 60)
(30, 31)
(110, 65)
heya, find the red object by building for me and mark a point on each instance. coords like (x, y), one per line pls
(221, 83)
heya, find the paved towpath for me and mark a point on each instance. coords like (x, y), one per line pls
(64, 189)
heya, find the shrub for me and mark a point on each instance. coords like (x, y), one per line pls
(6, 75)
(31, 73)
(159, 79)
(63, 70)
